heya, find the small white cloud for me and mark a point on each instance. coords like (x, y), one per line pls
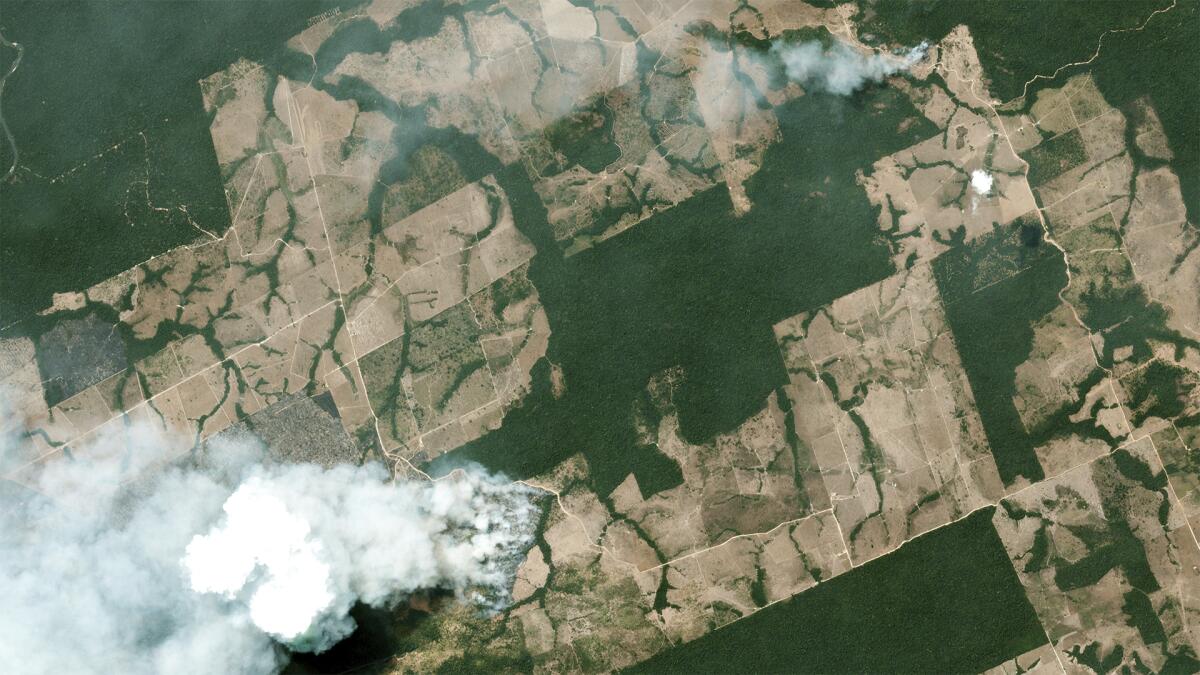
(981, 182)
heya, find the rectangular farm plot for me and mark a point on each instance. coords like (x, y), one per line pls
(882, 402)
(445, 320)
(450, 378)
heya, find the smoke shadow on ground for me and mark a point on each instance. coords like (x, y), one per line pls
(369, 649)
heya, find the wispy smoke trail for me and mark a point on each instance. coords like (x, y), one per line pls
(216, 568)
(841, 69)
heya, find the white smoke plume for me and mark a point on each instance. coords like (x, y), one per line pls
(216, 568)
(841, 69)
(299, 545)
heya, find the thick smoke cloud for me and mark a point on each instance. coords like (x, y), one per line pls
(120, 565)
(841, 69)
(299, 545)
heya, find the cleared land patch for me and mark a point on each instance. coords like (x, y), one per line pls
(880, 399)
(945, 602)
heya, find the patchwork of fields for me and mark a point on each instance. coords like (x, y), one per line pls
(801, 396)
